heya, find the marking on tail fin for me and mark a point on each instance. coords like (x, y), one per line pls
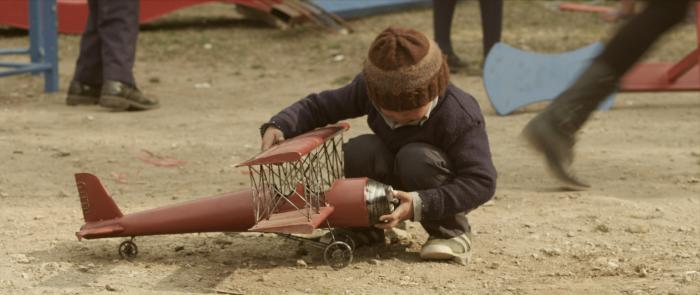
(95, 202)
(82, 193)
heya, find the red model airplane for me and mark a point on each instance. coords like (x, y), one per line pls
(296, 187)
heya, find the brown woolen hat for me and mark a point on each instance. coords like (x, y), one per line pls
(404, 70)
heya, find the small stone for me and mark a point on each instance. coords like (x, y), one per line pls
(110, 288)
(204, 85)
(90, 117)
(602, 228)
(338, 57)
(551, 252)
(641, 270)
(179, 248)
(637, 229)
(529, 225)
(62, 194)
(207, 46)
(4, 195)
(374, 262)
(301, 263)
(601, 261)
(685, 229)
(61, 154)
(570, 234)
(396, 235)
(154, 80)
(21, 258)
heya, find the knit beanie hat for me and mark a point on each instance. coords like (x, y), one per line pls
(404, 70)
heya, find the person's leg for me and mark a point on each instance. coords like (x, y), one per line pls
(367, 156)
(419, 166)
(635, 37)
(85, 87)
(119, 28)
(88, 68)
(491, 23)
(443, 12)
(552, 132)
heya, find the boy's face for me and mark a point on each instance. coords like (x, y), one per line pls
(407, 117)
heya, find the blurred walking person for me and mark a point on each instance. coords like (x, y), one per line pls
(552, 132)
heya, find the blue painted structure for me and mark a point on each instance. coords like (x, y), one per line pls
(360, 8)
(514, 78)
(43, 46)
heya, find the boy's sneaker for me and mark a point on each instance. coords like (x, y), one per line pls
(457, 248)
(123, 97)
(83, 93)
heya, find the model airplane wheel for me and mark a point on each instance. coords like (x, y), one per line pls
(345, 236)
(338, 254)
(128, 250)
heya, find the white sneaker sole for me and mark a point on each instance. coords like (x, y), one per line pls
(442, 252)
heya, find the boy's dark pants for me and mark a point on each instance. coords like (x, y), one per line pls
(108, 44)
(416, 166)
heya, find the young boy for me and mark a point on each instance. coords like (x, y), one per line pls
(429, 138)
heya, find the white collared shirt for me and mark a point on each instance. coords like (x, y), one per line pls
(393, 125)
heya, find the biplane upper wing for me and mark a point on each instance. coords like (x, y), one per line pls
(295, 148)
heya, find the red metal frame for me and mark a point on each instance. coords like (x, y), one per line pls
(585, 8)
(683, 75)
(72, 14)
(294, 149)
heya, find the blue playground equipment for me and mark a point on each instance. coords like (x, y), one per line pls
(360, 8)
(515, 78)
(43, 46)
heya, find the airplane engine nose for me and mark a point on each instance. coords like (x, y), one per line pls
(379, 199)
(358, 202)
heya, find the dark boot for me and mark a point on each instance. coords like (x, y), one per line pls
(456, 64)
(120, 96)
(553, 131)
(83, 93)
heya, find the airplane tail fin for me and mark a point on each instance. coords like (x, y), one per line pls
(96, 203)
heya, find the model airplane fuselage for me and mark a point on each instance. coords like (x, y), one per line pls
(296, 187)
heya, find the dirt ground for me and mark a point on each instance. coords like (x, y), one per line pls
(218, 76)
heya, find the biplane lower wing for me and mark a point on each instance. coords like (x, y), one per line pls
(293, 222)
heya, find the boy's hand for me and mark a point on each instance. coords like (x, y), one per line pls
(271, 137)
(402, 212)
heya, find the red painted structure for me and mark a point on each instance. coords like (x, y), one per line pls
(683, 75)
(72, 14)
(297, 147)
